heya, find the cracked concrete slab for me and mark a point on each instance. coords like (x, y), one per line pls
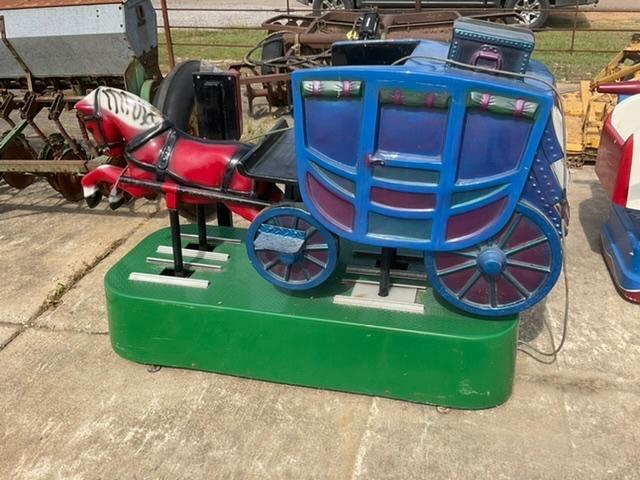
(6, 334)
(83, 307)
(70, 408)
(44, 240)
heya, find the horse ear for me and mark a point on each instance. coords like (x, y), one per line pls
(86, 106)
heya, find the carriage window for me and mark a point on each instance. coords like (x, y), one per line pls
(333, 117)
(412, 122)
(496, 133)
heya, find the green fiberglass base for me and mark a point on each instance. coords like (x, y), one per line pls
(242, 325)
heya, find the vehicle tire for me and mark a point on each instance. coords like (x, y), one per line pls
(272, 48)
(277, 93)
(534, 13)
(323, 6)
(175, 98)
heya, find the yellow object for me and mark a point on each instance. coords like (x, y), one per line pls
(586, 109)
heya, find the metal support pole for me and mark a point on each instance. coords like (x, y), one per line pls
(167, 33)
(224, 215)
(178, 265)
(202, 227)
(388, 257)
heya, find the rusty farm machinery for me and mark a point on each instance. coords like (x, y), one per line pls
(51, 54)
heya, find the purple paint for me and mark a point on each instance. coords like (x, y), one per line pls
(407, 200)
(334, 209)
(474, 222)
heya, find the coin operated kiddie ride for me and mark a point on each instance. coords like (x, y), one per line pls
(618, 168)
(431, 215)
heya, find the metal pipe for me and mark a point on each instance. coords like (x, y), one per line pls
(202, 227)
(167, 33)
(178, 265)
(210, 194)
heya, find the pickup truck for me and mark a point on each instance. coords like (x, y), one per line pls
(532, 13)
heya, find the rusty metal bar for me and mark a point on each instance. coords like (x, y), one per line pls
(15, 54)
(167, 33)
(43, 166)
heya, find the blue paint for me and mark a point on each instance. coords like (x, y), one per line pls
(482, 168)
(621, 249)
(478, 150)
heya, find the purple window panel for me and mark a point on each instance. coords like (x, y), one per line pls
(334, 209)
(475, 221)
(406, 200)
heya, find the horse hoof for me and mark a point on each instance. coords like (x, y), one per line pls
(93, 200)
(116, 202)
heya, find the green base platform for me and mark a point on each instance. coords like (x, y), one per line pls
(241, 325)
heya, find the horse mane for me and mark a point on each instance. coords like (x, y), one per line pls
(129, 108)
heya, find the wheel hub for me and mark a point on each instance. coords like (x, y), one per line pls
(492, 261)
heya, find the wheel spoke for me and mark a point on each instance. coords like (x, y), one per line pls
(493, 288)
(315, 261)
(526, 245)
(315, 247)
(272, 263)
(467, 286)
(529, 266)
(507, 235)
(305, 272)
(287, 272)
(518, 286)
(457, 268)
(309, 233)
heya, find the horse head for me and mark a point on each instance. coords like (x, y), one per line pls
(160, 155)
(113, 117)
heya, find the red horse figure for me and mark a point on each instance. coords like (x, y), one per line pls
(161, 158)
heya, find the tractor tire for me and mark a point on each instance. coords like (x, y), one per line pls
(274, 48)
(175, 98)
(534, 13)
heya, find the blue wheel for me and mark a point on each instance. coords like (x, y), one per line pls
(290, 249)
(504, 275)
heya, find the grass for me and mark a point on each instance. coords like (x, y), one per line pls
(566, 66)
(216, 38)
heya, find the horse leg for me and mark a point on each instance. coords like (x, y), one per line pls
(178, 265)
(108, 174)
(202, 227)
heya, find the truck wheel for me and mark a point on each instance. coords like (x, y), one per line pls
(323, 6)
(533, 13)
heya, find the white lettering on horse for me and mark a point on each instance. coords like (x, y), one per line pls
(130, 108)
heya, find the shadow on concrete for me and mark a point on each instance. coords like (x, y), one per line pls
(592, 213)
(532, 322)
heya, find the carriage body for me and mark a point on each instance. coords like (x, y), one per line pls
(465, 166)
(422, 156)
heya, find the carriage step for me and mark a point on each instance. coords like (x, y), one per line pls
(168, 280)
(401, 298)
(191, 253)
(188, 265)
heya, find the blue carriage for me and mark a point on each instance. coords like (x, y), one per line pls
(464, 165)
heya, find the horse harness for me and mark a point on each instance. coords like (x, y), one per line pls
(165, 156)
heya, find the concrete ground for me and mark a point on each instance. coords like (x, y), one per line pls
(70, 408)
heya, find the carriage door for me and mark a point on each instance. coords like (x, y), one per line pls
(403, 171)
